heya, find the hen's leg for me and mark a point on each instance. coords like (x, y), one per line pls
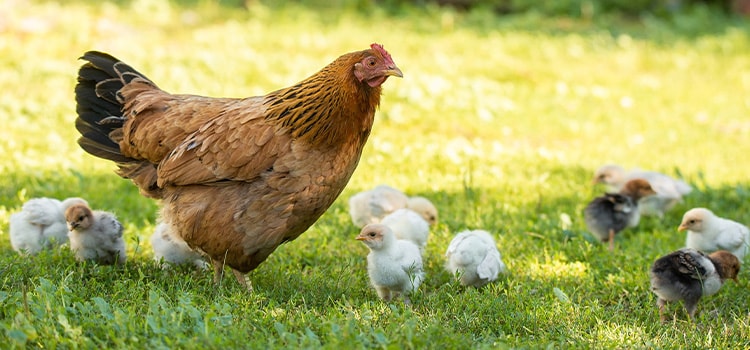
(243, 279)
(218, 270)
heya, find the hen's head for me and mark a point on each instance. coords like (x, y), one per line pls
(695, 219)
(376, 66)
(375, 236)
(729, 265)
(79, 217)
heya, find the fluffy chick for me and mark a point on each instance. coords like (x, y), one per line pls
(669, 191)
(407, 224)
(169, 248)
(473, 257)
(95, 235)
(40, 224)
(370, 207)
(425, 208)
(688, 274)
(609, 214)
(709, 233)
(394, 265)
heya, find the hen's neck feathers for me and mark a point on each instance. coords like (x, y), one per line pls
(329, 107)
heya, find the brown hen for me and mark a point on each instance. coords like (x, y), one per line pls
(237, 176)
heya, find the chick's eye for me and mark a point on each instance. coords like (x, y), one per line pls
(691, 222)
(80, 218)
(371, 234)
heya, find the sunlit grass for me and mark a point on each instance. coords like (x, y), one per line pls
(500, 121)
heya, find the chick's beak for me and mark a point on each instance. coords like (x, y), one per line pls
(361, 238)
(682, 227)
(393, 71)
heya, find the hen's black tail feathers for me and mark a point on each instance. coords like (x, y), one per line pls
(99, 105)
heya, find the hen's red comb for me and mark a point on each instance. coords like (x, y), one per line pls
(379, 49)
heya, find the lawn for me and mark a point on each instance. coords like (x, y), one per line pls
(500, 121)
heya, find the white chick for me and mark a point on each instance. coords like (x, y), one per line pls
(169, 248)
(394, 265)
(95, 235)
(40, 224)
(708, 233)
(669, 191)
(408, 225)
(369, 207)
(688, 274)
(474, 258)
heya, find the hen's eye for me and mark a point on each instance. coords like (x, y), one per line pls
(371, 62)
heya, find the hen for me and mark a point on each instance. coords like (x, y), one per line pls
(669, 191)
(237, 177)
(95, 235)
(170, 249)
(369, 207)
(709, 233)
(394, 265)
(611, 213)
(473, 257)
(688, 274)
(40, 224)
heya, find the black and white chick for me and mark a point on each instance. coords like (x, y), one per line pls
(611, 213)
(688, 274)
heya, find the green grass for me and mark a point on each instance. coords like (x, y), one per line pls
(500, 121)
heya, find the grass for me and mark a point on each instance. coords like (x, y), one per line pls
(500, 121)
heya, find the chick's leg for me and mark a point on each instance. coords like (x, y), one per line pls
(661, 303)
(611, 240)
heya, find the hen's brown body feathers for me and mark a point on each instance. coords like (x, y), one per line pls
(237, 177)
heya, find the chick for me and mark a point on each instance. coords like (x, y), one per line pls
(40, 224)
(369, 207)
(95, 235)
(473, 257)
(169, 248)
(669, 191)
(609, 214)
(688, 274)
(709, 233)
(407, 224)
(425, 208)
(394, 265)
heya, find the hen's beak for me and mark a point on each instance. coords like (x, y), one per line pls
(394, 71)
